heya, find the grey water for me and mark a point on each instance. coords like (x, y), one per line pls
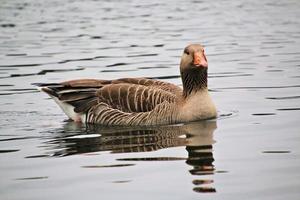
(252, 151)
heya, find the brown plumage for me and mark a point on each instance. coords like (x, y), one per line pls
(139, 101)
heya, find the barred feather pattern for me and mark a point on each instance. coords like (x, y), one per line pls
(133, 98)
(137, 101)
(103, 114)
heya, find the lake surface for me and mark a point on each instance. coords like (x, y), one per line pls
(252, 151)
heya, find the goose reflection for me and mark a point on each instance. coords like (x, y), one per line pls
(200, 154)
(197, 137)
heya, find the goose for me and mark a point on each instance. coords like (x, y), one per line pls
(139, 101)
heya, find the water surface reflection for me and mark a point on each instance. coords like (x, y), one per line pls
(197, 137)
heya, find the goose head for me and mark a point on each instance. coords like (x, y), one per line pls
(193, 69)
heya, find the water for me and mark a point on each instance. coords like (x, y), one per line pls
(251, 152)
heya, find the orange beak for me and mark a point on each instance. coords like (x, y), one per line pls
(200, 60)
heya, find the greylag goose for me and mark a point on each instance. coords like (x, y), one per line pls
(139, 101)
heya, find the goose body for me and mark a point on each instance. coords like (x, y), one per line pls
(139, 101)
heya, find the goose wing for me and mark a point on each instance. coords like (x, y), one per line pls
(123, 96)
(95, 83)
(126, 95)
(134, 98)
(126, 98)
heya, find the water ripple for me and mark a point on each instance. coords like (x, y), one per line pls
(107, 166)
(8, 150)
(283, 98)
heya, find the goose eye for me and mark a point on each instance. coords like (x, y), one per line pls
(186, 52)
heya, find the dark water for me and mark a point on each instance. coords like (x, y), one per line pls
(253, 48)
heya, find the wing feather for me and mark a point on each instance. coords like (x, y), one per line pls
(137, 98)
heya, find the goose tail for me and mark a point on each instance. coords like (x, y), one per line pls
(75, 102)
